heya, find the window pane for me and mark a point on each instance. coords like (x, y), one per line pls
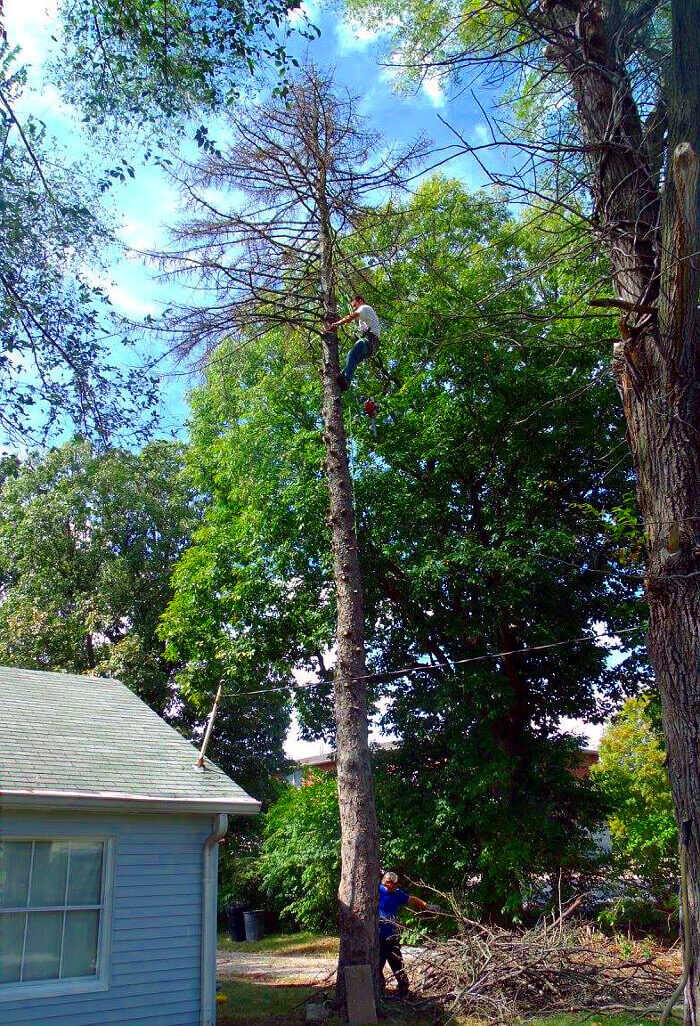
(80, 944)
(11, 940)
(43, 948)
(49, 873)
(15, 860)
(85, 884)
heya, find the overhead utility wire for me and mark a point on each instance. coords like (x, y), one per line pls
(429, 667)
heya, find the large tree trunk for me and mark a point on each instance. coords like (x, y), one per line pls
(664, 430)
(359, 881)
(654, 248)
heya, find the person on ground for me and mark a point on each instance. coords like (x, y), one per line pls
(366, 345)
(391, 898)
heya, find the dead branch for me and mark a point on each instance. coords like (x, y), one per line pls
(501, 975)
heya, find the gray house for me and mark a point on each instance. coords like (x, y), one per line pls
(108, 858)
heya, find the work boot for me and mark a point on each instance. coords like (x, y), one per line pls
(343, 383)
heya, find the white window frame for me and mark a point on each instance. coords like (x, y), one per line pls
(29, 989)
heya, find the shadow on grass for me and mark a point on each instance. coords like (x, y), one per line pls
(251, 1003)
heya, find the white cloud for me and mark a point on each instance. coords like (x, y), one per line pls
(393, 69)
(480, 134)
(138, 236)
(126, 300)
(38, 14)
(27, 26)
(308, 10)
(432, 88)
(353, 36)
(47, 105)
(129, 303)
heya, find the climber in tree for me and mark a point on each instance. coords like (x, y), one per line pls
(367, 343)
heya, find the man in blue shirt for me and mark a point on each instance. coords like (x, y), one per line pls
(391, 898)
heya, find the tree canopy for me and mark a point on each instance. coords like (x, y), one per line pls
(88, 541)
(474, 524)
(66, 359)
(148, 61)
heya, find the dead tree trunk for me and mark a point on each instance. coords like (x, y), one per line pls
(653, 242)
(306, 169)
(357, 893)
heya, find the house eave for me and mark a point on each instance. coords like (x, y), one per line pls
(115, 801)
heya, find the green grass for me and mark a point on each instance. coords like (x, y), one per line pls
(594, 1019)
(250, 1002)
(284, 944)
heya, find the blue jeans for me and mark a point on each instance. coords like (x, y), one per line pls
(362, 350)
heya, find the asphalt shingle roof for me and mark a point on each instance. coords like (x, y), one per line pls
(91, 738)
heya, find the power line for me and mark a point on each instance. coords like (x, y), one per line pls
(429, 667)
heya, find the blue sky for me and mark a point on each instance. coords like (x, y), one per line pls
(144, 207)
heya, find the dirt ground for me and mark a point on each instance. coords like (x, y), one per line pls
(281, 970)
(278, 970)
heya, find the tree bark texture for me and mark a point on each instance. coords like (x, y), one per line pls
(653, 241)
(359, 881)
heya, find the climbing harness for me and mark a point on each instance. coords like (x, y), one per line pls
(371, 409)
(372, 343)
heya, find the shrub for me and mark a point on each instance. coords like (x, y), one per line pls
(632, 773)
(300, 858)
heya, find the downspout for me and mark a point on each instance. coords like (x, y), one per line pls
(210, 861)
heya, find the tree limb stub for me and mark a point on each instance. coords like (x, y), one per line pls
(624, 304)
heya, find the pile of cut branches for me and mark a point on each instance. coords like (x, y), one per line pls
(499, 975)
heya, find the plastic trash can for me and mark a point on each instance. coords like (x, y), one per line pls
(254, 924)
(235, 923)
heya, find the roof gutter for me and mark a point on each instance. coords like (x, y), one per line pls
(210, 863)
(115, 801)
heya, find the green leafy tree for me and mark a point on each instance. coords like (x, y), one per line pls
(422, 813)
(300, 859)
(608, 95)
(470, 525)
(632, 772)
(66, 361)
(88, 541)
(142, 62)
(88, 544)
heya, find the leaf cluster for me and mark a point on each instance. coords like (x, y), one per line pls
(88, 541)
(64, 355)
(633, 774)
(160, 62)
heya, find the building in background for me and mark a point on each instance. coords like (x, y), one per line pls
(304, 768)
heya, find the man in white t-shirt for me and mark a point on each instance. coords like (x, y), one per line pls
(366, 346)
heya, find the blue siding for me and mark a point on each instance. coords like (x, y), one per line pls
(155, 970)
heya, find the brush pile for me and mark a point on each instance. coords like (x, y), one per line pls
(500, 975)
